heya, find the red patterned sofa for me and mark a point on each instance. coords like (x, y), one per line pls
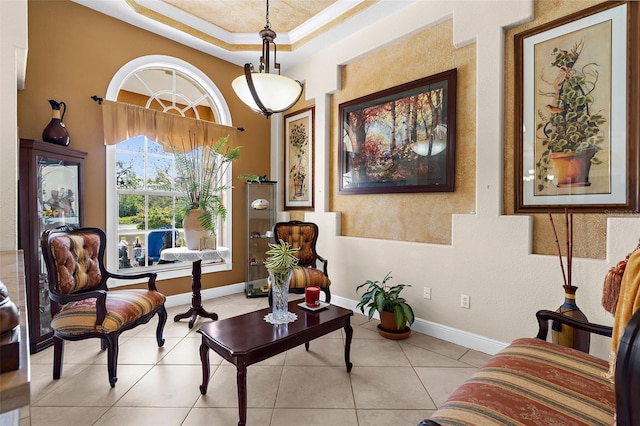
(535, 382)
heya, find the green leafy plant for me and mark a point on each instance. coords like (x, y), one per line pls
(380, 297)
(200, 175)
(281, 260)
(568, 124)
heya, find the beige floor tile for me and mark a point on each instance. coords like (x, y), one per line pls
(171, 328)
(360, 332)
(441, 382)
(442, 347)
(323, 352)
(165, 386)
(78, 352)
(419, 357)
(65, 416)
(314, 417)
(141, 350)
(475, 358)
(143, 416)
(91, 387)
(381, 353)
(314, 387)
(227, 417)
(262, 387)
(358, 318)
(392, 382)
(187, 351)
(42, 378)
(389, 388)
(392, 417)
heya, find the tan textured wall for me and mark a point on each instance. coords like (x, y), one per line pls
(590, 230)
(417, 217)
(73, 54)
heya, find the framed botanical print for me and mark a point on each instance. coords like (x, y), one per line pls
(298, 159)
(575, 146)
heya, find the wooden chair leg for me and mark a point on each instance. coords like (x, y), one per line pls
(162, 320)
(111, 341)
(327, 294)
(58, 357)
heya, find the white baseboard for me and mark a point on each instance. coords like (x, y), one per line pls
(449, 334)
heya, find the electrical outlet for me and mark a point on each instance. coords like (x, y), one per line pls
(427, 293)
(465, 301)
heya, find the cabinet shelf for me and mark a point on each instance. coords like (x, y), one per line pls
(260, 224)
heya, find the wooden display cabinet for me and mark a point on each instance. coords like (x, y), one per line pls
(50, 191)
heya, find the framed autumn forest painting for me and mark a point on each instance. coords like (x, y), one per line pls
(400, 139)
(576, 131)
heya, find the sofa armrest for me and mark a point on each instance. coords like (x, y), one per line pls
(543, 317)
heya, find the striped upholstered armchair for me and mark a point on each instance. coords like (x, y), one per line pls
(312, 268)
(82, 305)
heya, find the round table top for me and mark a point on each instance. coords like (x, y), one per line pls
(184, 254)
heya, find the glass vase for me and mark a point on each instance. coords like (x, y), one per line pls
(280, 296)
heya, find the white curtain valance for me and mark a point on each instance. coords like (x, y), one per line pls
(124, 121)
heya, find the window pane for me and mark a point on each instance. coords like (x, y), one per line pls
(130, 211)
(135, 144)
(160, 212)
(159, 173)
(129, 171)
(155, 148)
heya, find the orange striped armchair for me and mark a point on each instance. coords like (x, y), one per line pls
(312, 268)
(82, 306)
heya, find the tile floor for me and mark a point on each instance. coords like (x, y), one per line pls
(392, 382)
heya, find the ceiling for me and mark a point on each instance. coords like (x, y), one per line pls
(229, 29)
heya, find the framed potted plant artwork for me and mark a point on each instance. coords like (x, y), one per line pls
(575, 144)
(400, 139)
(298, 159)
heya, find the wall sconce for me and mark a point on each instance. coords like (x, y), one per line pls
(262, 91)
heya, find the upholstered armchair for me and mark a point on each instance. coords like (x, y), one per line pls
(312, 268)
(82, 305)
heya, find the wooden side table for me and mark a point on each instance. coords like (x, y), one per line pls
(196, 257)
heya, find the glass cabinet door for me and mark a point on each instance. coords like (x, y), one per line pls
(261, 217)
(57, 186)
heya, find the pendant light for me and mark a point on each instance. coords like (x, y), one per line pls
(262, 91)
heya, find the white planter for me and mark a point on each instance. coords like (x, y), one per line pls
(193, 231)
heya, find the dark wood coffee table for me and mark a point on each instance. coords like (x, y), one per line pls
(247, 339)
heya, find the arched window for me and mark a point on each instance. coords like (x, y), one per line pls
(140, 171)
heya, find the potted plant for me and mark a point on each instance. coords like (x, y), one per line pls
(395, 312)
(567, 126)
(280, 264)
(201, 176)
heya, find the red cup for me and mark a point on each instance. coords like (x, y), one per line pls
(312, 296)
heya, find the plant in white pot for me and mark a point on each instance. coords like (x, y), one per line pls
(395, 312)
(201, 175)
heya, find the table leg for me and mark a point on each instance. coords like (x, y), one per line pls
(347, 346)
(204, 359)
(242, 392)
(196, 299)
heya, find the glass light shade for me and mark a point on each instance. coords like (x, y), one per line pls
(276, 92)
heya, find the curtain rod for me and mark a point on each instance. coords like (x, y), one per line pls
(99, 101)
